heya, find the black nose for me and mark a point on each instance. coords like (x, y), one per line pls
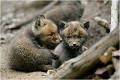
(60, 40)
(74, 44)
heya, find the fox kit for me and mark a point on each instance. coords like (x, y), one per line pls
(74, 35)
(30, 50)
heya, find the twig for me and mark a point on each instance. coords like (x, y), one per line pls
(104, 23)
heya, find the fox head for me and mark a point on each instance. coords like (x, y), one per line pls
(74, 34)
(46, 32)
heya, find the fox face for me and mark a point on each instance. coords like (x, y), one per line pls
(46, 32)
(74, 35)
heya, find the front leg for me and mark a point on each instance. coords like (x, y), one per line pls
(56, 63)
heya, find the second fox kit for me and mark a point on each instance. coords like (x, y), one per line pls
(74, 35)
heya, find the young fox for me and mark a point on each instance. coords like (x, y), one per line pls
(73, 36)
(30, 50)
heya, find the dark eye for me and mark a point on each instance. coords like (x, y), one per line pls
(51, 34)
(68, 36)
(79, 36)
(45, 24)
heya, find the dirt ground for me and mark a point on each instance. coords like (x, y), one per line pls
(16, 11)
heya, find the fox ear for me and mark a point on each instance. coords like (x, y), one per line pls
(86, 25)
(37, 23)
(42, 17)
(63, 24)
(36, 26)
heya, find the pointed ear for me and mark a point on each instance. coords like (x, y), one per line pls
(37, 24)
(42, 17)
(86, 25)
(63, 24)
